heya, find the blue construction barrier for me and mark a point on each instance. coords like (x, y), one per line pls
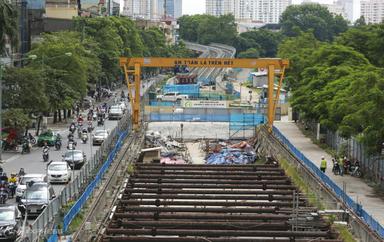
(54, 236)
(245, 120)
(357, 208)
(75, 209)
(252, 119)
(164, 104)
(191, 90)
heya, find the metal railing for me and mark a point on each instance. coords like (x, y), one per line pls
(350, 203)
(81, 186)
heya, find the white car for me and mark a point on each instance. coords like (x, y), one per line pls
(123, 106)
(20, 189)
(172, 97)
(116, 112)
(59, 171)
(99, 136)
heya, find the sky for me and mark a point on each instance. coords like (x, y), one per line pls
(198, 6)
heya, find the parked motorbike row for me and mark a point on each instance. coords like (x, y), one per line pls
(345, 166)
(25, 143)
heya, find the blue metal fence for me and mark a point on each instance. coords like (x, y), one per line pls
(357, 208)
(75, 209)
(54, 237)
(188, 89)
(239, 119)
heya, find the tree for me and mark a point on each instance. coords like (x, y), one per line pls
(8, 23)
(250, 53)
(266, 41)
(15, 118)
(366, 39)
(206, 29)
(312, 17)
(106, 35)
(297, 50)
(360, 21)
(24, 88)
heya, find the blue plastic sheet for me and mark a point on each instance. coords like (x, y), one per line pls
(231, 156)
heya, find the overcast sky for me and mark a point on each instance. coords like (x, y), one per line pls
(198, 6)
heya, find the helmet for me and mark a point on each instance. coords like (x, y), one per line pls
(322, 158)
(13, 174)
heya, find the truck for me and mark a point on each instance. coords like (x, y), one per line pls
(171, 97)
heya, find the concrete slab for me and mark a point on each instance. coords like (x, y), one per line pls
(356, 188)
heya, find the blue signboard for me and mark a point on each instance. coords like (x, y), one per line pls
(36, 4)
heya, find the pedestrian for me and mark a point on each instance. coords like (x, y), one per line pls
(341, 166)
(323, 164)
(77, 109)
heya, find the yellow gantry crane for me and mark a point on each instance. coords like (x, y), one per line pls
(132, 66)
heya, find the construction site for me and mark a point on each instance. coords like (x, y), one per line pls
(206, 164)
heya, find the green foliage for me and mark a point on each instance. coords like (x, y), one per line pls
(312, 17)
(206, 29)
(8, 23)
(366, 39)
(19, 84)
(265, 41)
(297, 49)
(250, 53)
(15, 118)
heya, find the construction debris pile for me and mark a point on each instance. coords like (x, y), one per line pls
(171, 152)
(225, 153)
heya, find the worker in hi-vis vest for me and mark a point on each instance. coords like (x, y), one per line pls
(323, 164)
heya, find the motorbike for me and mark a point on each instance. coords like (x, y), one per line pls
(100, 121)
(12, 189)
(45, 154)
(71, 145)
(355, 171)
(9, 146)
(58, 144)
(90, 127)
(3, 192)
(26, 147)
(336, 168)
(84, 137)
(31, 139)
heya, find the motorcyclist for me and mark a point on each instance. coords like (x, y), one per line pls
(58, 142)
(70, 137)
(12, 183)
(72, 127)
(21, 172)
(84, 135)
(80, 119)
(4, 177)
(13, 178)
(45, 151)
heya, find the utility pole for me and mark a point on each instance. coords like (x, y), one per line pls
(165, 9)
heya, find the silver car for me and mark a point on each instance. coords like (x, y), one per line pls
(24, 180)
(99, 136)
(36, 199)
(116, 112)
(75, 158)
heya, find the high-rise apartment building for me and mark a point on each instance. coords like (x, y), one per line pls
(153, 9)
(137, 8)
(266, 11)
(372, 10)
(173, 8)
(347, 5)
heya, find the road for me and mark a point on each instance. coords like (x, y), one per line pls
(33, 162)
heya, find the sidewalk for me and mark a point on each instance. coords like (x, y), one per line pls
(356, 188)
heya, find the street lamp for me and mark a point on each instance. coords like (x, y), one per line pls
(2, 65)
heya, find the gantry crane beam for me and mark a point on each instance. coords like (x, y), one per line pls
(270, 64)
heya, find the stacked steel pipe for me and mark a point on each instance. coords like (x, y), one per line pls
(214, 203)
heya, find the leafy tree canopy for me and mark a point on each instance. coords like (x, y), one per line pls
(312, 17)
